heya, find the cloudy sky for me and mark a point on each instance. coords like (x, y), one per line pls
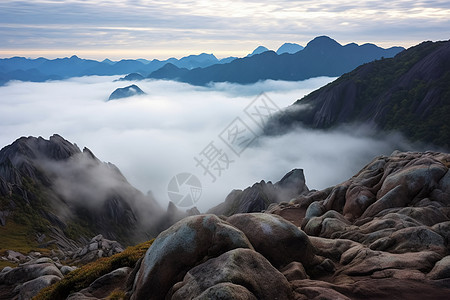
(161, 29)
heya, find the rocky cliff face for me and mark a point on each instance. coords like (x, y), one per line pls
(384, 233)
(54, 188)
(409, 93)
(259, 196)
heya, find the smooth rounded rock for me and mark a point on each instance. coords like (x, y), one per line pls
(178, 249)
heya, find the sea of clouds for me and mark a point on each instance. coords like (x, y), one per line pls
(154, 137)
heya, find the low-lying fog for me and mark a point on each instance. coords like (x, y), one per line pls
(152, 138)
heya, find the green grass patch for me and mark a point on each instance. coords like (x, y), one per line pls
(84, 276)
(18, 237)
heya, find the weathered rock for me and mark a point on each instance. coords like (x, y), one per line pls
(66, 270)
(80, 296)
(103, 286)
(261, 195)
(31, 288)
(186, 244)
(278, 240)
(441, 269)
(294, 271)
(362, 261)
(226, 290)
(15, 256)
(243, 267)
(28, 272)
(412, 239)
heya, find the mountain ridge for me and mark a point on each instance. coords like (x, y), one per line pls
(409, 93)
(322, 56)
(42, 69)
(53, 186)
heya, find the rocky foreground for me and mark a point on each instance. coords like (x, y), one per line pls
(384, 233)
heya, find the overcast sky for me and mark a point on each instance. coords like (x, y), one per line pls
(160, 29)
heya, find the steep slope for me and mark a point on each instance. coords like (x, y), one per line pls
(57, 192)
(322, 56)
(410, 93)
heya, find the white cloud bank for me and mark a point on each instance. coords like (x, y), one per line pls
(151, 138)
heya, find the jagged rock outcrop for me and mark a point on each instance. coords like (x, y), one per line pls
(259, 196)
(97, 247)
(125, 92)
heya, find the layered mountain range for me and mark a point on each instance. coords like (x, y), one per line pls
(321, 57)
(409, 93)
(42, 69)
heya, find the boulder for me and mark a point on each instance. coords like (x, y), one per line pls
(31, 288)
(278, 240)
(243, 267)
(28, 272)
(178, 249)
(106, 284)
(441, 269)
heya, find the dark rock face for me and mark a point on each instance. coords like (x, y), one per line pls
(259, 196)
(128, 91)
(53, 181)
(409, 93)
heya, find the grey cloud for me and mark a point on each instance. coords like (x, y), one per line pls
(166, 25)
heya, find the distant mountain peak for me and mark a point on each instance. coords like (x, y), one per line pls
(258, 50)
(322, 42)
(290, 48)
(128, 91)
